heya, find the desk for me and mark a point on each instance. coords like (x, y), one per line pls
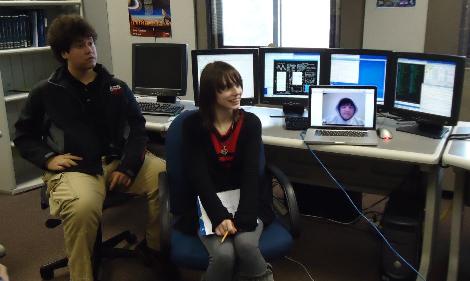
(457, 155)
(404, 149)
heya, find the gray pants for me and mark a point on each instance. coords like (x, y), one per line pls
(238, 254)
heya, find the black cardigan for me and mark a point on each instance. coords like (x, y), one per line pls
(207, 176)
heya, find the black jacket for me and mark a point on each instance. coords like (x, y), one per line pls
(207, 175)
(54, 121)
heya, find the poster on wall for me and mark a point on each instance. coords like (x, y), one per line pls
(149, 18)
(396, 3)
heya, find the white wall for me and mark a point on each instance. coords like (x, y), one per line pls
(397, 29)
(183, 31)
(97, 15)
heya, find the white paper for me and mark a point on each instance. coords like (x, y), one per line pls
(229, 199)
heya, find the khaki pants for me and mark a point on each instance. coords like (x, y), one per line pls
(77, 198)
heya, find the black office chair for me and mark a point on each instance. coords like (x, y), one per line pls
(175, 197)
(102, 249)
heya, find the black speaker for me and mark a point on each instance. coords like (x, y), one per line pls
(293, 108)
(402, 226)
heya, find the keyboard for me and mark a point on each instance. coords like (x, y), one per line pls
(297, 123)
(160, 108)
(341, 133)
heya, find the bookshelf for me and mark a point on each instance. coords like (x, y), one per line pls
(20, 70)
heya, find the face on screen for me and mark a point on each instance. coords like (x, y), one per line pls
(342, 107)
(347, 111)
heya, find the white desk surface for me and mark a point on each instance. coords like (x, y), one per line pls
(457, 152)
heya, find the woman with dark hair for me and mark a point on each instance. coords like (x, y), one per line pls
(346, 109)
(222, 143)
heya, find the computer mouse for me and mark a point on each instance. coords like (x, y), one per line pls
(384, 133)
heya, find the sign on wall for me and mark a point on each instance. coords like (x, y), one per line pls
(396, 3)
(150, 18)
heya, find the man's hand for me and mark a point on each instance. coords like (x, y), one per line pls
(118, 178)
(3, 273)
(61, 162)
(224, 226)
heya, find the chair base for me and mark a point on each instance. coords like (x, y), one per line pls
(103, 249)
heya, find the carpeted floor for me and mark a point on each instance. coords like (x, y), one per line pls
(331, 252)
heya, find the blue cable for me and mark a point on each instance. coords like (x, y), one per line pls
(340, 186)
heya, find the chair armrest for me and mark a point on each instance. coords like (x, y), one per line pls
(44, 198)
(2, 251)
(165, 214)
(290, 199)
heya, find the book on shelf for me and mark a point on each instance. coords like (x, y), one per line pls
(22, 29)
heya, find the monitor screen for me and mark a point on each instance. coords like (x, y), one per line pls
(428, 87)
(288, 73)
(245, 61)
(342, 106)
(159, 69)
(361, 67)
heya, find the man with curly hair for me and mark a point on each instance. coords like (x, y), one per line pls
(85, 129)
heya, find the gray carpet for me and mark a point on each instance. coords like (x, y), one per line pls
(331, 252)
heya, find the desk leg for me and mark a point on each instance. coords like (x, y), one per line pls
(431, 219)
(456, 224)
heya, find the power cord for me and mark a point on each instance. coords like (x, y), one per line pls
(458, 137)
(375, 204)
(353, 221)
(303, 266)
(340, 186)
(453, 137)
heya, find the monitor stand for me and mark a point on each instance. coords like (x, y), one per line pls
(167, 99)
(293, 109)
(425, 130)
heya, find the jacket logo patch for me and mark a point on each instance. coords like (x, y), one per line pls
(116, 90)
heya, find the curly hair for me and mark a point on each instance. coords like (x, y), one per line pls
(65, 30)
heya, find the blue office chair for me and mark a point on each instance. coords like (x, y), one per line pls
(187, 251)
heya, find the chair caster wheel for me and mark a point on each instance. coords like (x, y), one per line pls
(46, 274)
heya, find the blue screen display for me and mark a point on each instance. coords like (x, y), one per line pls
(350, 69)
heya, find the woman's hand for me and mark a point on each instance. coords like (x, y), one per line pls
(224, 226)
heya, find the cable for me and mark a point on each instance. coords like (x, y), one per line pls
(353, 221)
(453, 137)
(303, 266)
(356, 219)
(375, 204)
(340, 186)
(458, 137)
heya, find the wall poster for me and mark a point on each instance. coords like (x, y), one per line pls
(149, 18)
(396, 3)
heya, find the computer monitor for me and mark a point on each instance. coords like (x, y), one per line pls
(428, 89)
(159, 69)
(245, 61)
(362, 67)
(287, 74)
